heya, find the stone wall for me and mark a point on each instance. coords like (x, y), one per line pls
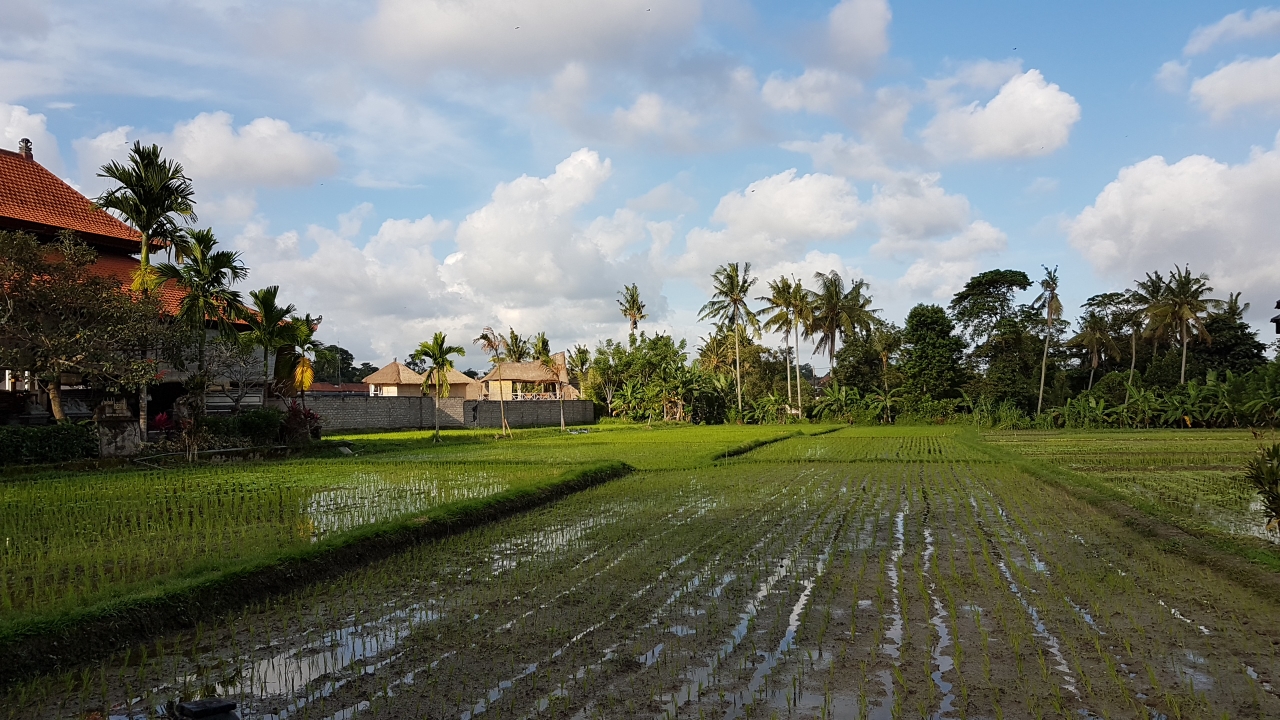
(366, 412)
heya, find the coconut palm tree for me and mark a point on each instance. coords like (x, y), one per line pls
(1147, 296)
(1051, 305)
(1184, 307)
(302, 335)
(439, 353)
(781, 316)
(152, 195)
(540, 346)
(837, 312)
(886, 340)
(495, 346)
(580, 363)
(802, 302)
(206, 275)
(516, 348)
(731, 285)
(269, 328)
(631, 306)
(1094, 336)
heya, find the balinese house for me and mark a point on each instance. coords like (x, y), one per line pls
(460, 386)
(395, 380)
(529, 381)
(34, 200)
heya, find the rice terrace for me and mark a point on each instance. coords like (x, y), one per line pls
(811, 571)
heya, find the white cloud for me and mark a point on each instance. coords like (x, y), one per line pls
(944, 269)
(916, 207)
(393, 139)
(519, 36)
(653, 117)
(1028, 117)
(1172, 76)
(1236, 26)
(979, 75)
(1218, 218)
(818, 90)
(1252, 82)
(858, 31)
(17, 122)
(772, 220)
(835, 153)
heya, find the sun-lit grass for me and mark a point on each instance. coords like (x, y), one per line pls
(860, 444)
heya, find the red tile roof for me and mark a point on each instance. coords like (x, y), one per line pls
(31, 194)
(123, 269)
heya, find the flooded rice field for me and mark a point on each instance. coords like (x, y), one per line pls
(943, 589)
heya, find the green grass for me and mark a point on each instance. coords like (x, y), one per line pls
(875, 444)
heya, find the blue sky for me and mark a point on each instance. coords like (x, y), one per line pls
(403, 167)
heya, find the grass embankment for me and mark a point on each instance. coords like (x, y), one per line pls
(1190, 514)
(36, 641)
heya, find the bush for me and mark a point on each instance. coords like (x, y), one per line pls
(300, 426)
(260, 427)
(27, 445)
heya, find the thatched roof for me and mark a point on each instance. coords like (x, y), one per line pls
(526, 372)
(457, 378)
(394, 374)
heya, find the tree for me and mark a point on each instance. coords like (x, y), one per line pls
(783, 316)
(932, 353)
(58, 316)
(836, 312)
(1095, 337)
(439, 353)
(269, 328)
(335, 365)
(1048, 303)
(206, 275)
(1184, 307)
(302, 331)
(1147, 296)
(886, 341)
(495, 346)
(731, 285)
(516, 348)
(631, 306)
(986, 299)
(232, 361)
(1235, 345)
(153, 193)
(580, 363)
(540, 346)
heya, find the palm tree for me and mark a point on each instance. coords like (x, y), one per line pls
(631, 306)
(580, 363)
(153, 194)
(206, 275)
(802, 302)
(516, 348)
(1147, 297)
(1184, 306)
(1049, 302)
(268, 327)
(781, 317)
(540, 346)
(837, 312)
(495, 346)
(439, 353)
(1095, 336)
(731, 284)
(302, 331)
(885, 340)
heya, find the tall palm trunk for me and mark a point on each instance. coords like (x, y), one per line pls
(1183, 379)
(787, 358)
(435, 409)
(1133, 361)
(1044, 367)
(560, 392)
(1091, 369)
(502, 405)
(737, 372)
(799, 391)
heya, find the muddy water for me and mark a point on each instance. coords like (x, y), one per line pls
(751, 590)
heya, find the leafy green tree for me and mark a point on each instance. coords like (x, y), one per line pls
(580, 363)
(785, 306)
(1235, 345)
(438, 353)
(306, 349)
(337, 365)
(731, 285)
(1048, 303)
(1095, 337)
(1184, 307)
(493, 344)
(516, 348)
(269, 327)
(837, 312)
(986, 299)
(206, 276)
(631, 306)
(1009, 360)
(932, 353)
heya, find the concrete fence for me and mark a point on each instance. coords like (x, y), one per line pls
(367, 412)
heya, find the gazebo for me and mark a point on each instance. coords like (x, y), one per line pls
(529, 381)
(395, 380)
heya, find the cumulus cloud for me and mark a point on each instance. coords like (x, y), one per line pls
(979, 74)
(1172, 76)
(650, 116)
(517, 36)
(916, 207)
(773, 219)
(1236, 26)
(945, 268)
(1252, 82)
(847, 157)
(818, 90)
(858, 33)
(1027, 118)
(1219, 218)
(17, 122)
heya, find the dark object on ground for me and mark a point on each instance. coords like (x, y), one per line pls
(208, 709)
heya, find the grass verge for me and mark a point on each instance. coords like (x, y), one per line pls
(47, 644)
(1252, 565)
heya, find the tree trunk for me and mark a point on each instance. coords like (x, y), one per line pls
(1091, 369)
(737, 373)
(435, 410)
(787, 358)
(1183, 379)
(560, 388)
(1044, 366)
(1133, 361)
(54, 387)
(502, 405)
(799, 391)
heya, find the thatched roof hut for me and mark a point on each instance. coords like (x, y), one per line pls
(395, 380)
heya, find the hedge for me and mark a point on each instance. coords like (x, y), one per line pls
(33, 444)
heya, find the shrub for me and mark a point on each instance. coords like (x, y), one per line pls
(25, 445)
(262, 425)
(300, 425)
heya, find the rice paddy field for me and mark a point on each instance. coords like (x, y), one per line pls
(865, 573)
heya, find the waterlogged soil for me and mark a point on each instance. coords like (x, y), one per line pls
(816, 590)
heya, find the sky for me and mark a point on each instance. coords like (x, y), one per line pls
(404, 167)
